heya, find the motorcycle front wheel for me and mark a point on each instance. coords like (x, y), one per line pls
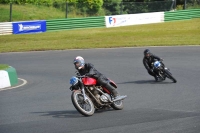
(169, 75)
(86, 108)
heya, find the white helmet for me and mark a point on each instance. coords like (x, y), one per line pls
(79, 62)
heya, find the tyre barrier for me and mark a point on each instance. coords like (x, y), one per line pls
(8, 77)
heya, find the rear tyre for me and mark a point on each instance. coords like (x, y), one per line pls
(86, 108)
(117, 105)
(169, 75)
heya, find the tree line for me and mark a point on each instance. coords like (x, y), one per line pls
(110, 7)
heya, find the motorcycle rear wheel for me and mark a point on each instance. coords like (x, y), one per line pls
(117, 105)
(86, 108)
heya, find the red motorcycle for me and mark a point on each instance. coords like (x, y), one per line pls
(87, 96)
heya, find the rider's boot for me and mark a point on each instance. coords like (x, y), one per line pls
(114, 92)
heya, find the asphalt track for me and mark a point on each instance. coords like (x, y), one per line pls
(44, 105)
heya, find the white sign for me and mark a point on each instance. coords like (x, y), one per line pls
(134, 19)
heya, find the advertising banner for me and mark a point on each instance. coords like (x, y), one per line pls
(29, 27)
(134, 19)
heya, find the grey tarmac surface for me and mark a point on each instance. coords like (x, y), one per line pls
(44, 104)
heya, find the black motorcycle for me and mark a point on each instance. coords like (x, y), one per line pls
(162, 72)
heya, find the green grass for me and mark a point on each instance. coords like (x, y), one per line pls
(3, 66)
(29, 12)
(161, 34)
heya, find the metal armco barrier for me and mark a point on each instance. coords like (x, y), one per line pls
(6, 28)
(75, 23)
(182, 14)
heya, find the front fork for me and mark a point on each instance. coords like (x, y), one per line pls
(160, 73)
(83, 91)
(84, 95)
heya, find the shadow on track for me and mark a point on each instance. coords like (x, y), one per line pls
(70, 113)
(60, 114)
(146, 82)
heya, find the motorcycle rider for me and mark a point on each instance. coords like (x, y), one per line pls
(148, 59)
(88, 69)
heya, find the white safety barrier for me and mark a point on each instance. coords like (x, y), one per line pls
(8, 77)
(134, 19)
(4, 79)
(6, 28)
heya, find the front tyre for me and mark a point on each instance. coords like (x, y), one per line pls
(169, 75)
(117, 105)
(86, 108)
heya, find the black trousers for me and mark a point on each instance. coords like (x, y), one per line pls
(151, 73)
(103, 81)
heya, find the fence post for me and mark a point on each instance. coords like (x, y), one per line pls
(175, 5)
(171, 8)
(185, 2)
(11, 12)
(121, 9)
(66, 9)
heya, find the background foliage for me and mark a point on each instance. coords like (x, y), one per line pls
(54, 9)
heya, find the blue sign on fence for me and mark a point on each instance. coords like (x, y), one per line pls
(29, 27)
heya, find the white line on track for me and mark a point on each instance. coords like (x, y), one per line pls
(9, 88)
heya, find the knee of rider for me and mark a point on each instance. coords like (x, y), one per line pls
(102, 82)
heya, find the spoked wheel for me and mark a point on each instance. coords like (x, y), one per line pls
(169, 75)
(86, 108)
(117, 105)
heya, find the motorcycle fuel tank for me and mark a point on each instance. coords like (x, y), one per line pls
(89, 81)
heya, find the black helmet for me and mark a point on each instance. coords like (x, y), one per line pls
(147, 53)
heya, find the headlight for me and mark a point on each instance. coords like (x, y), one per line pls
(157, 64)
(73, 80)
(74, 83)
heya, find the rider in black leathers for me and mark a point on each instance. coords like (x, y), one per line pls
(88, 69)
(147, 61)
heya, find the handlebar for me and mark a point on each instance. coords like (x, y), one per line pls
(79, 76)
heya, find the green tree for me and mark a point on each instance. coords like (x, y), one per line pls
(90, 6)
(112, 7)
(134, 6)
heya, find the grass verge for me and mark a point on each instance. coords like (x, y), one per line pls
(3, 66)
(161, 34)
(29, 12)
